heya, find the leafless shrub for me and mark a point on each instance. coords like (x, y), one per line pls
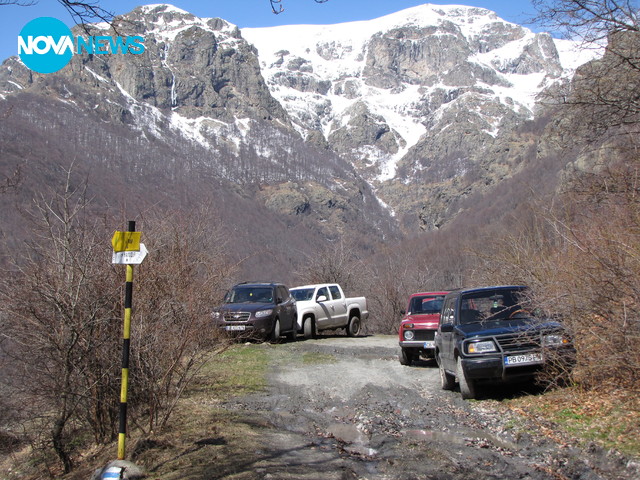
(58, 321)
(176, 288)
(336, 262)
(582, 263)
(61, 319)
(390, 278)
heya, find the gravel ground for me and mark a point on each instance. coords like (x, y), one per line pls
(365, 416)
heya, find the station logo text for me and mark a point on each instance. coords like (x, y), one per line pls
(46, 44)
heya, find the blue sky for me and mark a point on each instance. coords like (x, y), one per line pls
(250, 13)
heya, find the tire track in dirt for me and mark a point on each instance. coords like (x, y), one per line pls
(358, 414)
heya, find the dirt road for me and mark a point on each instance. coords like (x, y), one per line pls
(344, 408)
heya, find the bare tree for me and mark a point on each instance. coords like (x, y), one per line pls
(58, 323)
(61, 318)
(590, 20)
(81, 12)
(604, 92)
(336, 263)
(277, 7)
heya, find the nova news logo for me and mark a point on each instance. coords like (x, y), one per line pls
(45, 45)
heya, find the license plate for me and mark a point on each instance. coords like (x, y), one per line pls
(523, 359)
(235, 327)
(429, 344)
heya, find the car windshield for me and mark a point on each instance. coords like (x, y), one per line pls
(249, 295)
(302, 294)
(499, 304)
(428, 305)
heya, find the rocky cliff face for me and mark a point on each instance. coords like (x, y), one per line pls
(417, 101)
(356, 127)
(194, 111)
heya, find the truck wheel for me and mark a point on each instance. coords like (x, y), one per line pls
(353, 329)
(467, 386)
(406, 357)
(447, 381)
(308, 328)
(275, 333)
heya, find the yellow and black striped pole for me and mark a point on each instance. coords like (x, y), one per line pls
(128, 301)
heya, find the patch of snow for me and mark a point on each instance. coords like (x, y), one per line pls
(166, 7)
(125, 93)
(99, 77)
(573, 54)
(189, 127)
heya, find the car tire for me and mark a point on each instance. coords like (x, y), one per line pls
(467, 386)
(275, 333)
(447, 381)
(353, 329)
(406, 357)
(308, 328)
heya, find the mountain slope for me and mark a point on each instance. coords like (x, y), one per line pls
(352, 129)
(190, 116)
(419, 101)
(377, 88)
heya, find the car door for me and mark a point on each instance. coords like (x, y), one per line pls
(338, 307)
(324, 319)
(288, 308)
(446, 333)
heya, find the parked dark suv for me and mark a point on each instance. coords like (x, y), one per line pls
(489, 334)
(259, 310)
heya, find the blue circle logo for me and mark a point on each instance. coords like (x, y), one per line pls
(45, 45)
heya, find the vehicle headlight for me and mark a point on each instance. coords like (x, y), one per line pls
(482, 347)
(408, 335)
(554, 340)
(216, 315)
(263, 313)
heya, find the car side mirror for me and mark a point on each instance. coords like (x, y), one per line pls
(321, 298)
(446, 328)
(402, 312)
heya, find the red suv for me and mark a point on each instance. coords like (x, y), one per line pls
(419, 325)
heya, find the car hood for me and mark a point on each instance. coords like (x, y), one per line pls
(430, 319)
(502, 327)
(244, 307)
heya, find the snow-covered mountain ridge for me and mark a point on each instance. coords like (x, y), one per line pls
(405, 70)
(414, 109)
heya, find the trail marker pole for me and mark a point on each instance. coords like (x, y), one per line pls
(127, 250)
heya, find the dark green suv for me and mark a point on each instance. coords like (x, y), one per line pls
(490, 335)
(258, 310)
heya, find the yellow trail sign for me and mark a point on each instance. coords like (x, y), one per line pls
(126, 241)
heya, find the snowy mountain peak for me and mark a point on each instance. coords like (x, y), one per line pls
(375, 89)
(424, 96)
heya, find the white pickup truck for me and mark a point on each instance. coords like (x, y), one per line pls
(324, 307)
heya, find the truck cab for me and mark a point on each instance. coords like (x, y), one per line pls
(326, 307)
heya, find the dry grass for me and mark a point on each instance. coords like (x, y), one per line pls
(610, 419)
